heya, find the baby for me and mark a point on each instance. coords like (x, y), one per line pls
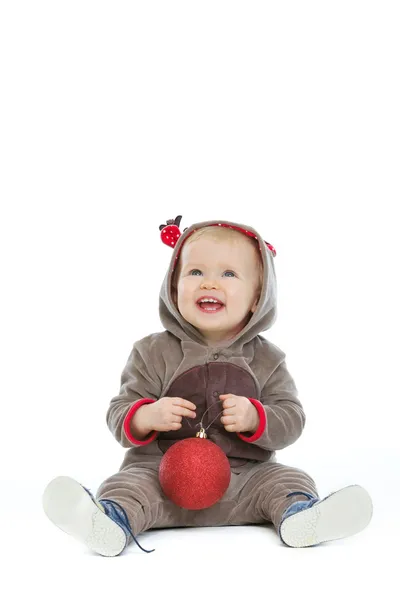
(218, 294)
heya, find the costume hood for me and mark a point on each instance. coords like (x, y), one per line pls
(265, 313)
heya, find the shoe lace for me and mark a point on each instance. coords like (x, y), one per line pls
(117, 513)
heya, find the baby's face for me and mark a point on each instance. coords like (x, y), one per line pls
(226, 270)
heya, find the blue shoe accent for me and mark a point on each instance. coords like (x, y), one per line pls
(297, 506)
(118, 514)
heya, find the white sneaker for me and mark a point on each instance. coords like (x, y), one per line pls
(102, 525)
(341, 514)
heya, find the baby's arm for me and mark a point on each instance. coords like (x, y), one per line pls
(140, 385)
(282, 417)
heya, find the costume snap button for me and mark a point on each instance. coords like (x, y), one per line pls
(216, 356)
(215, 393)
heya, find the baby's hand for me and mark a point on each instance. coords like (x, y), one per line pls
(166, 414)
(239, 413)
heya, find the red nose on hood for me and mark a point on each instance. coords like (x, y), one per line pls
(208, 296)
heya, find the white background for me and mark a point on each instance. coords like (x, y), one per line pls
(116, 116)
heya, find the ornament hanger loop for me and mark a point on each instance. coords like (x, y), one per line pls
(202, 428)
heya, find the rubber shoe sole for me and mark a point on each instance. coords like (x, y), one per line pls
(341, 514)
(69, 506)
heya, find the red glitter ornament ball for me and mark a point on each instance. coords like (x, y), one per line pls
(194, 473)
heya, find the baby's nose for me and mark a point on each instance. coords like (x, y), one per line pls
(208, 284)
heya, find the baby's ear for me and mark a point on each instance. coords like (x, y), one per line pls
(254, 307)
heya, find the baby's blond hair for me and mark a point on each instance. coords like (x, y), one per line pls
(220, 234)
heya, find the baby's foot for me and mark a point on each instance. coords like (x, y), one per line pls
(341, 514)
(72, 508)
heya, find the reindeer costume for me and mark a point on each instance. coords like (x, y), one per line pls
(179, 362)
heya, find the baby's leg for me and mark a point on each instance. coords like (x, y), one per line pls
(262, 492)
(137, 489)
(267, 491)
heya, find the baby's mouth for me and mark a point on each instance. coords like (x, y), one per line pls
(210, 307)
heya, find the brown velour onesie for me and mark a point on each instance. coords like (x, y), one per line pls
(179, 362)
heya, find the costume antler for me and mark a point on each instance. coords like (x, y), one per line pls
(170, 232)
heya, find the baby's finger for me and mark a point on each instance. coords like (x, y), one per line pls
(231, 428)
(176, 426)
(184, 403)
(228, 420)
(176, 419)
(184, 412)
(229, 403)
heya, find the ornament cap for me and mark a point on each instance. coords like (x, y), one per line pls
(201, 433)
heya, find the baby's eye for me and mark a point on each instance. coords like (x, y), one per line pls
(193, 272)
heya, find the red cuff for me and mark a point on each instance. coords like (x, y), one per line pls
(127, 423)
(263, 422)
